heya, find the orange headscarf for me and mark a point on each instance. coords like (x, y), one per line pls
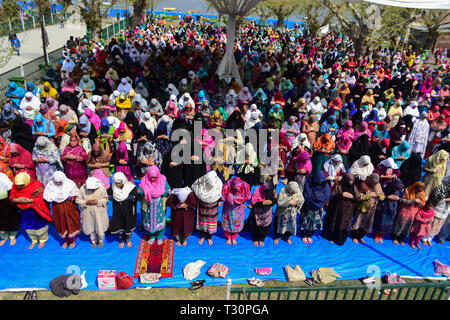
(416, 191)
(324, 142)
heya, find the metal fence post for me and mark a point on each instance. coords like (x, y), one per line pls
(114, 29)
(9, 20)
(228, 293)
(34, 23)
(107, 33)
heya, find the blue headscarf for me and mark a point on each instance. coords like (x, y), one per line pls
(372, 116)
(84, 121)
(31, 87)
(351, 108)
(46, 126)
(14, 89)
(104, 126)
(7, 112)
(201, 96)
(402, 150)
(316, 191)
(263, 94)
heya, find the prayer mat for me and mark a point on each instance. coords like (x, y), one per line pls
(155, 258)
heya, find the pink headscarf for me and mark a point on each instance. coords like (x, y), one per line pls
(303, 161)
(344, 142)
(172, 109)
(100, 175)
(122, 127)
(110, 81)
(347, 129)
(153, 189)
(122, 152)
(93, 118)
(205, 137)
(69, 85)
(236, 191)
(363, 128)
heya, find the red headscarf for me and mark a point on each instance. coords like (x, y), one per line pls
(236, 191)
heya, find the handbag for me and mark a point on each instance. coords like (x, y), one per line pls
(392, 278)
(123, 281)
(149, 278)
(441, 269)
(218, 270)
(294, 274)
(263, 271)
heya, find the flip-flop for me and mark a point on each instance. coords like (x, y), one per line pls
(309, 281)
(197, 284)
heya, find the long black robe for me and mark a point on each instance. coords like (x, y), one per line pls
(22, 135)
(124, 214)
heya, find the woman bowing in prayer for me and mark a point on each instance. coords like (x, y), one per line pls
(208, 190)
(93, 202)
(235, 193)
(122, 161)
(9, 216)
(124, 196)
(22, 161)
(334, 169)
(413, 199)
(289, 204)
(401, 152)
(98, 163)
(263, 200)
(418, 139)
(27, 195)
(61, 192)
(371, 193)
(361, 169)
(182, 202)
(46, 157)
(153, 187)
(340, 210)
(323, 148)
(316, 193)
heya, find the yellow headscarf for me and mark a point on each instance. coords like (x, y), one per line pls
(53, 93)
(22, 178)
(126, 104)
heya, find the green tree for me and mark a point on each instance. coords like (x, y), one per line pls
(317, 15)
(281, 9)
(433, 20)
(139, 8)
(10, 9)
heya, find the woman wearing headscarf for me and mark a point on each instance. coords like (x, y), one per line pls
(401, 152)
(362, 129)
(29, 106)
(208, 190)
(329, 126)
(8, 114)
(323, 148)
(162, 140)
(380, 132)
(235, 193)
(310, 126)
(61, 192)
(360, 147)
(347, 129)
(94, 119)
(152, 188)
(439, 199)
(93, 202)
(435, 170)
(263, 200)
(397, 134)
(124, 196)
(15, 94)
(5, 155)
(122, 162)
(87, 133)
(49, 92)
(46, 158)
(182, 202)
(340, 210)
(413, 199)
(21, 161)
(98, 164)
(74, 158)
(395, 112)
(43, 127)
(277, 114)
(387, 209)
(289, 204)
(316, 193)
(361, 169)
(370, 194)
(334, 169)
(9, 216)
(27, 195)
(148, 156)
(418, 139)
(291, 129)
(67, 114)
(105, 135)
(247, 161)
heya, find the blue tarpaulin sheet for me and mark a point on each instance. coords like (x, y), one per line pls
(24, 268)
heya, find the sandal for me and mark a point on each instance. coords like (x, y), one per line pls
(27, 295)
(197, 284)
(34, 295)
(256, 282)
(368, 280)
(309, 281)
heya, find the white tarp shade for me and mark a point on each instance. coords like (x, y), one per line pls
(419, 4)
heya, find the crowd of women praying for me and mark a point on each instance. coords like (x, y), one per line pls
(353, 134)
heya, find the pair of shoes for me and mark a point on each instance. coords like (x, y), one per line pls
(256, 282)
(310, 281)
(197, 284)
(27, 295)
(368, 280)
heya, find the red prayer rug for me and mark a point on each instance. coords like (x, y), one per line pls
(155, 258)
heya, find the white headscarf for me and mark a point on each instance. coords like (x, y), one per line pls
(182, 193)
(5, 185)
(389, 163)
(208, 188)
(331, 168)
(56, 193)
(358, 169)
(298, 141)
(121, 194)
(93, 183)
